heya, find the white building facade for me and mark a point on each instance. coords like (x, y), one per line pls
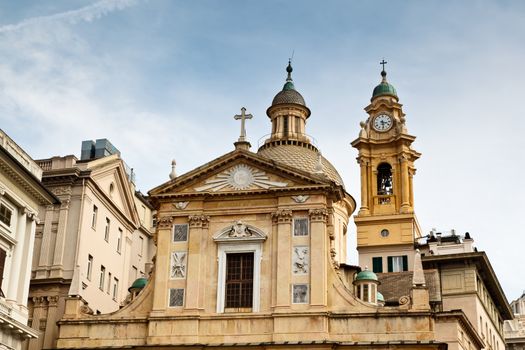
(21, 195)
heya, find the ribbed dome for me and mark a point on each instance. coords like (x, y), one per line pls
(288, 96)
(384, 88)
(300, 157)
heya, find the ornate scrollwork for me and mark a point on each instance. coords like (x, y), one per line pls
(404, 300)
(282, 216)
(53, 300)
(318, 214)
(300, 198)
(181, 205)
(39, 301)
(197, 221)
(165, 222)
(84, 309)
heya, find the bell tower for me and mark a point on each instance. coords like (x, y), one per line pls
(386, 222)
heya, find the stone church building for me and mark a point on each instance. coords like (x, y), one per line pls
(251, 250)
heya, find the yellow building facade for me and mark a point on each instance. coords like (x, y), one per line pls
(251, 251)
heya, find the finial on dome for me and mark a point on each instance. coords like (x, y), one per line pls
(383, 72)
(173, 174)
(319, 165)
(289, 81)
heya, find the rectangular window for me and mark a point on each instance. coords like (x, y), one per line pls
(300, 227)
(180, 232)
(297, 125)
(106, 230)
(377, 264)
(5, 214)
(285, 125)
(300, 294)
(102, 277)
(239, 280)
(397, 263)
(94, 217)
(141, 245)
(89, 267)
(109, 283)
(119, 240)
(115, 288)
(3, 255)
(176, 297)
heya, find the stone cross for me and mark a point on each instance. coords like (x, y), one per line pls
(243, 116)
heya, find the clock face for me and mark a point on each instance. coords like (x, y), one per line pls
(383, 122)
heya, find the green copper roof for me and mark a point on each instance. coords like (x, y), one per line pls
(366, 275)
(288, 86)
(380, 297)
(384, 88)
(139, 283)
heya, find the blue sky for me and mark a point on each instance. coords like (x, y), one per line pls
(162, 79)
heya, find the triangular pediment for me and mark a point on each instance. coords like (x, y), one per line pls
(111, 179)
(239, 231)
(239, 171)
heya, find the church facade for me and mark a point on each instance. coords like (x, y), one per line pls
(251, 250)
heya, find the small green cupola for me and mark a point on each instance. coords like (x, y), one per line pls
(365, 286)
(138, 285)
(384, 88)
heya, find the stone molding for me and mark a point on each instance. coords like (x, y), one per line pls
(283, 216)
(199, 221)
(318, 215)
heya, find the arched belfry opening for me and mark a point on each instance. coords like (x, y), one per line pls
(384, 180)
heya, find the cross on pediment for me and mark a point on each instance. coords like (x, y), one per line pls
(243, 116)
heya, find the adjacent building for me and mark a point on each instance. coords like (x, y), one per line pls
(21, 197)
(515, 328)
(94, 244)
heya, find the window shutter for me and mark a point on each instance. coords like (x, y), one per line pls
(2, 263)
(390, 268)
(377, 264)
(405, 263)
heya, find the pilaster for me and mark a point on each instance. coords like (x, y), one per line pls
(16, 284)
(57, 268)
(282, 219)
(160, 293)
(41, 270)
(319, 256)
(197, 244)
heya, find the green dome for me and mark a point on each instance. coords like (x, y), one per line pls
(384, 88)
(366, 275)
(139, 283)
(380, 297)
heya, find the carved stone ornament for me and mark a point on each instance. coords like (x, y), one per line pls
(240, 231)
(61, 190)
(53, 300)
(178, 265)
(86, 310)
(282, 216)
(240, 177)
(181, 205)
(300, 260)
(300, 198)
(404, 300)
(199, 221)
(318, 214)
(165, 222)
(39, 301)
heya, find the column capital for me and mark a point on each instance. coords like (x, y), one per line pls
(282, 216)
(39, 301)
(320, 214)
(199, 221)
(165, 222)
(53, 300)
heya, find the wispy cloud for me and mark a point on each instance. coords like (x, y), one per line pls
(83, 14)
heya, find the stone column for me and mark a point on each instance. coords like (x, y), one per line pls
(41, 270)
(25, 276)
(38, 313)
(405, 191)
(195, 278)
(160, 292)
(51, 332)
(15, 283)
(364, 187)
(57, 269)
(319, 256)
(283, 252)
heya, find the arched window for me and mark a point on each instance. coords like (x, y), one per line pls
(384, 179)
